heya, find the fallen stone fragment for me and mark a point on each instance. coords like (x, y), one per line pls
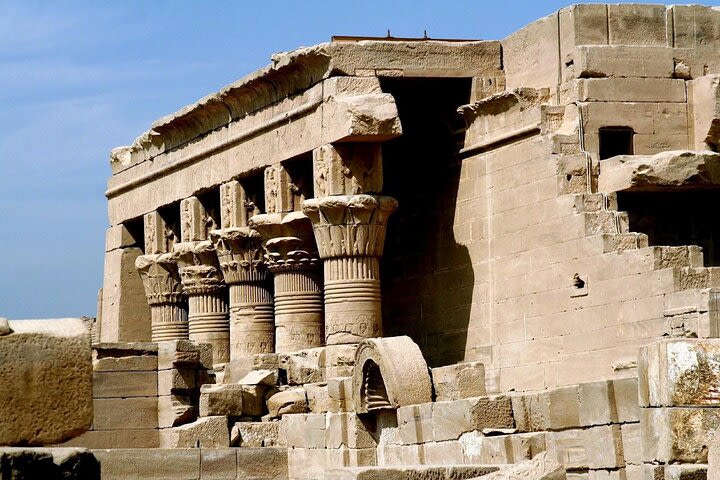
(221, 400)
(206, 432)
(288, 401)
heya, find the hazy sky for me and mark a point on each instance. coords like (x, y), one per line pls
(79, 78)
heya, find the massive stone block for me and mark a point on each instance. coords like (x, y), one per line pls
(46, 381)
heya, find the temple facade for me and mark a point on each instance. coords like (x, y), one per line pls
(426, 258)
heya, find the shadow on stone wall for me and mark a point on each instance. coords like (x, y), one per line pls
(427, 277)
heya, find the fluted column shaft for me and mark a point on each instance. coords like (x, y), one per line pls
(208, 316)
(350, 235)
(292, 257)
(164, 293)
(239, 251)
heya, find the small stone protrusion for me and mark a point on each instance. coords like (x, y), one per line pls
(5, 327)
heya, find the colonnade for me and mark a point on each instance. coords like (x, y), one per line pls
(302, 274)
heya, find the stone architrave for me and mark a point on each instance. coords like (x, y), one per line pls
(350, 235)
(292, 257)
(164, 294)
(202, 279)
(240, 253)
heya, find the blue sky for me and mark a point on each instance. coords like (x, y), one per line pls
(79, 78)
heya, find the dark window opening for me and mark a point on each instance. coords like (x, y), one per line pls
(300, 171)
(254, 185)
(136, 229)
(171, 217)
(210, 200)
(676, 219)
(615, 141)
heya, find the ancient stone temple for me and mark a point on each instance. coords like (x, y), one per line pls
(412, 259)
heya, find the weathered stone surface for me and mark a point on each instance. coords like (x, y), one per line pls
(549, 410)
(125, 413)
(680, 372)
(318, 397)
(304, 366)
(183, 354)
(398, 371)
(48, 463)
(209, 432)
(162, 464)
(287, 401)
(259, 377)
(254, 434)
(463, 380)
(675, 169)
(349, 430)
(224, 400)
(175, 410)
(677, 434)
(46, 381)
(452, 419)
(262, 463)
(542, 467)
(236, 369)
(124, 384)
(410, 472)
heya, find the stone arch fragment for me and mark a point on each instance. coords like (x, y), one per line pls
(389, 373)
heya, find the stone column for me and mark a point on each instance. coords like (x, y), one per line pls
(292, 257)
(349, 220)
(202, 280)
(240, 253)
(164, 294)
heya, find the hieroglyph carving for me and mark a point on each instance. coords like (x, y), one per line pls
(164, 293)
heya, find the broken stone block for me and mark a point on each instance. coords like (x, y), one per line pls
(340, 393)
(175, 410)
(608, 401)
(680, 372)
(184, 353)
(415, 424)
(176, 380)
(254, 434)
(318, 397)
(236, 369)
(339, 360)
(46, 381)
(259, 377)
(553, 409)
(205, 432)
(463, 380)
(254, 398)
(452, 419)
(286, 402)
(677, 434)
(303, 367)
(348, 430)
(673, 169)
(542, 467)
(224, 400)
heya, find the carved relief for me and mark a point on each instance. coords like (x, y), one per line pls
(278, 190)
(347, 169)
(233, 208)
(193, 220)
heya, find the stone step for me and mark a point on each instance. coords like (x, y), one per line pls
(615, 242)
(612, 222)
(410, 472)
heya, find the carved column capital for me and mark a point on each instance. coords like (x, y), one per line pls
(164, 293)
(350, 225)
(240, 254)
(199, 268)
(289, 241)
(159, 273)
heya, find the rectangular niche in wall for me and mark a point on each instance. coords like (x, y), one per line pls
(136, 229)
(170, 215)
(615, 141)
(210, 201)
(300, 171)
(254, 185)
